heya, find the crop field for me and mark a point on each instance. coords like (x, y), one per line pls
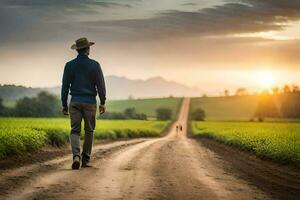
(19, 135)
(226, 108)
(278, 141)
(146, 106)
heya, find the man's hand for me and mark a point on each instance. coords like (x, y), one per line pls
(65, 110)
(102, 109)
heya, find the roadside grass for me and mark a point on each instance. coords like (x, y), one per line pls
(278, 141)
(18, 135)
(146, 106)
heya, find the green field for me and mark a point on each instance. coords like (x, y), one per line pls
(226, 108)
(146, 106)
(19, 135)
(279, 141)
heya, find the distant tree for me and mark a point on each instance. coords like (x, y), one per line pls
(290, 105)
(204, 95)
(130, 97)
(1, 106)
(118, 115)
(226, 93)
(295, 88)
(198, 115)
(5, 111)
(260, 119)
(241, 92)
(275, 90)
(130, 113)
(112, 115)
(26, 107)
(14, 92)
(163, 114)
(44, 105)
(267, 106)
(48, 104)
(140, 116)
(287, 89)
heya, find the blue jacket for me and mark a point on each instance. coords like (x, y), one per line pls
(84, 77)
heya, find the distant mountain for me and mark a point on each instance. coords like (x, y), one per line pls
(121, 88)
(117, 88)
(13, 92)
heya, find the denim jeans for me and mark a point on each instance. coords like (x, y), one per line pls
(87, 112)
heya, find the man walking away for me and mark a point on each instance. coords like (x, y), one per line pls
(84, 78)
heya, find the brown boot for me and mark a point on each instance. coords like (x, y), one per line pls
(76, 162)
(85, 164)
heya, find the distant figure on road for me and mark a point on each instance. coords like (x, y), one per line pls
(177, 128)
(84, 77)
(180, 127)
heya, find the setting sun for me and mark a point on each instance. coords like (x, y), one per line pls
(266, 79)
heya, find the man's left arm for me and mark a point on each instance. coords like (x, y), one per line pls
(65, 90)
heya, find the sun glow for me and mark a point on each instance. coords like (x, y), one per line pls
(273, 35)
(266, 79)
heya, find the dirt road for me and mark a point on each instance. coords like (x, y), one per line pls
(171, 167)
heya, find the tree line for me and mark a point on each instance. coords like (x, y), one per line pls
(278, 102)
(15, 92)
(283, 105)
(128, 113)
(131, 113)
(43, 105)
(275, 90)
(48, 105)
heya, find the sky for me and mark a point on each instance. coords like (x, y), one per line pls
(210, 44)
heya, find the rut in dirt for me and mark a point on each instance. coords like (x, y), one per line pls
(171, 167)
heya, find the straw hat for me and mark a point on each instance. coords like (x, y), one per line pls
(82, 43)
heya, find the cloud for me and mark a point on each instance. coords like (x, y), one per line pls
(36, 20)
(189, 4)
(59, 4)
(231, 18)
(41, 20)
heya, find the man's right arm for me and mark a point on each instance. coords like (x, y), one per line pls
(65, 87)
(100, 84)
